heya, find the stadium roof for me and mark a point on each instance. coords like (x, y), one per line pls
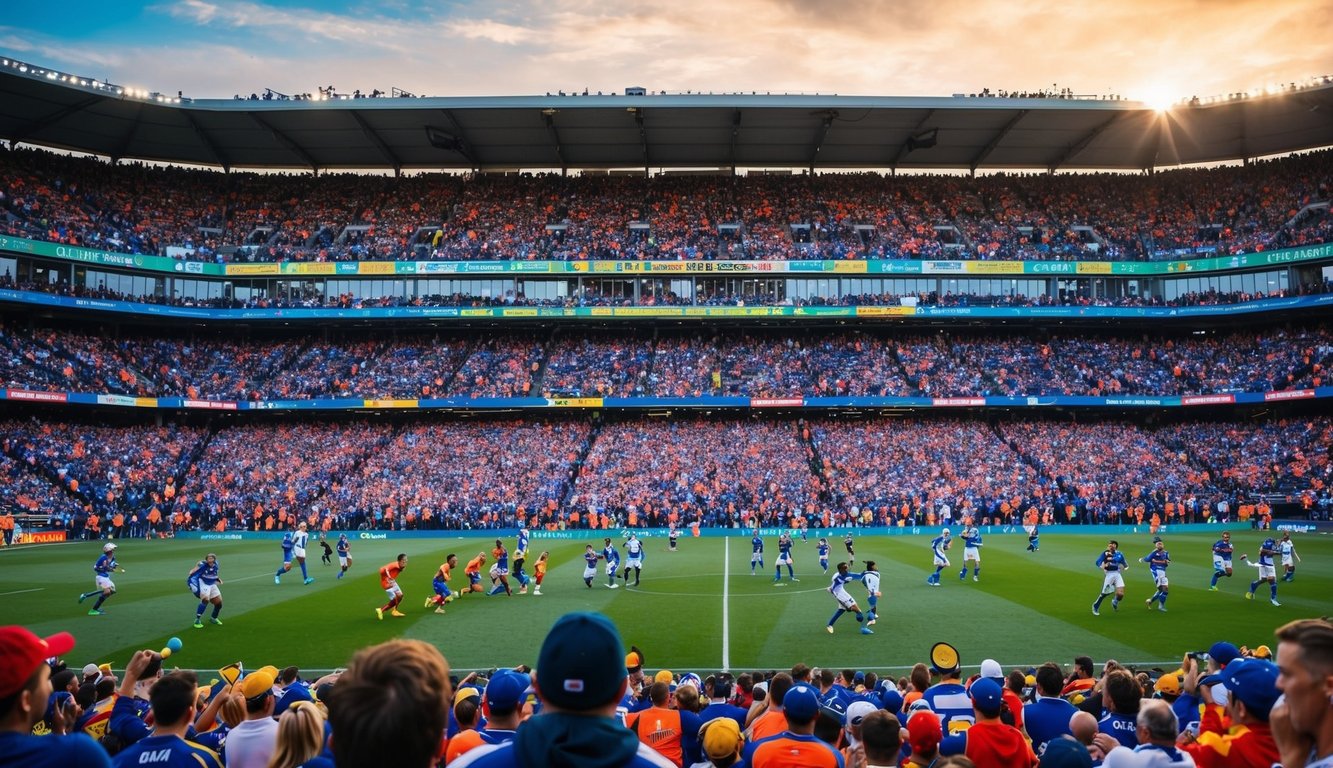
(658, 131)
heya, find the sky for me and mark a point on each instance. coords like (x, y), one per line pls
(1140, 49)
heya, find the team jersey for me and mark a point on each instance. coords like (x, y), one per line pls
(611, 554)
(1157, 561)
(871, 580)
(790, 750)
(474, 565)
(1223, 549)
(106, 565)
(951, 702)
(343, 546)
(823, 551)
(847, 541)
(841, 580)
(168, 751)
(206, 574)
(756, 544)
(1286, 548)
(287, 544)
(1112, 561)
(675, 534)
(389, 574)
(444, 571)
(299, 540)
(784, 547)
(521, 547)
(591, 558)
(634, 548)
(937, 545)
(501, 556)
(1266, 552)
(972, 538)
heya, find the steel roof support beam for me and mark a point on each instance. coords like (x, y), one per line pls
(375, 139)
(42, 122)
(643, 136)
(904, 148)
(548, 117)
(1077, 148)
(286, 141)
(735, 136)
(124, 144)
(820, 135)
(995, 142)
(1148, 160)
(465, 146)
(207, 141)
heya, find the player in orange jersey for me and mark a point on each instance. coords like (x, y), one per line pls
(389, 583)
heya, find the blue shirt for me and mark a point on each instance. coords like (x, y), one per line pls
(723, 709)
(611, 555)
(167, 751)
(1222, 548)
(841, 580)
(784, 547)
(106, 565)
(951, 702)
(502, 560)
(1113, 561)
(1047, 718)
(823, 551)
(1266, 552)
(590, 558)
(1157, 561)
(287, 545)
(757, 544)
(343, 545)
(937, 545)
(1122, 727)
(206, 574)
(521, 548)
(972, 538)
(23, 750)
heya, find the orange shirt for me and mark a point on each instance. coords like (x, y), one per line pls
(659, 728)
(771, 723)
(444, 569)
(474, 565)
(389, 574)
(461, 743)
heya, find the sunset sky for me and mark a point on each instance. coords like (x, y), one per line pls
(1142, 49)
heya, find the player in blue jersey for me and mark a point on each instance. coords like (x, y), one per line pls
(440, 584)
(938, 546)
(293, 546)
(500, 570)
(823, 555)
(784, 558)
(846, 603)
(1222, 550)
(590, 559)
(204, 583)
(612, 557)
(1034, 538)
(102, 570)
(870, 578)
(633, 558)
(1158, 559)
(1266, 571)
(287, 544)
(847, 542)
(971, 551)
(756, 552)
(520, 558)
(1287, 549)
(1112, 562)
(344, 555)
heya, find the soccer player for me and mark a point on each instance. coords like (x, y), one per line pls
(500, 570)
(102, 570)
(521, 557)
(1034, 536)
(784, 558)
(1158, 559)
(539, 572)
(590, 559)
(612, 563)
(971, 551)
(756, 552)
(1222, 550)
(344, 557)
(441, 584)
(846, 603)
(473, 572)
(1287, 548)
(389, 583)
(633, 558)
(204, 583)
(673, 535)
(327, 557)
(1266, 571)
(938, 546)
(871, 579)
(1112, 562)
(823, 555)
(847, 542)
(287, 545)
(298, 549)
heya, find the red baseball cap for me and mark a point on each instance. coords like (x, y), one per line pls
(22, 652)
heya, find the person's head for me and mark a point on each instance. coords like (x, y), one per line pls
(1083, 726)
(823, 540)
(687, 698)
(576, 669)
(232, 710)
(1251, 689)
(1167, 688)
(402, 559)
(302, 525)
(1286, 535)
(257, 689)
(778, 687)
(173, 698)
(1220, 655)
(870, 565)
(1082, 666)
(1016, 681)
(658, 693)
(1157, 723)
(211, 558)
(467, 710)
(500, 545)
(722, 742)
(826, 679)
(300, 735)
(1113, 545)
(924, 734)
(587, 549)
(452, 559)
(881, 736)
(987, 699)
(288, 675)
(842, 569)
(920, 677)
(955, 761)
(25, 677)
(800, 705)
(1305, 666)
(342, 537)
(504, 696)
(1159, 545)
(1065, 752)
(1121, 693)
(801, 673)
(606, 542)
(391, 701)
(1226, 536)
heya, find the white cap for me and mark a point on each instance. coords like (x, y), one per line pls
(91, 670)
(857, 711)
(946, 531)
(991, 668)
(107, 547)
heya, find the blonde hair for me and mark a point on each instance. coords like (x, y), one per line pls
(300, 735)
(232, 710)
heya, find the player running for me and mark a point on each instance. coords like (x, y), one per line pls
(590, 559)
(520, 558)
(500, 570)
(1222, 550)
(327, 557)
(1287, 548)
(971, 551)
(847, 542)
(293, 546)
(389, 583)
(612, 556)
(1034, 538)
(440, 584)
(846, 603)
(1157, 561)
(204, 583)
(344, 556)
(938, 546)
(633, 558)
(1113, 562)
(473, 572)
(102, 570)
(784, 558)
(539, 572)
(756, 552)
(1266, 571)
(823, 555)
(871, 579)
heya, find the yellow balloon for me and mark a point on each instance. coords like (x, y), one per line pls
(166, 653)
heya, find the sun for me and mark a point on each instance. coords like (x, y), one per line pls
(1159, 97)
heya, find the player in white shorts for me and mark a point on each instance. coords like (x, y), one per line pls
(1112, 561)
(204, 582)
(971, 551)
(846, 603)
(1287, 548)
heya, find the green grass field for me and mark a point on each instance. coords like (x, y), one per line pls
(688, 615)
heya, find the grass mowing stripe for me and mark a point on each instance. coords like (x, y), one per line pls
(726, 612)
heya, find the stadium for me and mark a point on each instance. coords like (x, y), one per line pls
(711, 328)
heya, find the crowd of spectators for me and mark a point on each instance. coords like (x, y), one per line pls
(667, 364)
(586, 698)
(211, 216)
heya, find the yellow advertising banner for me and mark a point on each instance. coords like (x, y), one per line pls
(309, 268)
(392, 403)
(246, 270)
(376, 268)
(574, 402)
(993, 267)
(1093, 267)
(885, 311)
(518, 312)
(845, 267)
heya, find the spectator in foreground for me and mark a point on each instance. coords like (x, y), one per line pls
(990, 743)
(251, 743)
(1047, 717)
(722, 742)
(1251, 691)
(924, 734)
(300, 738)
(881, 737)
(1303, 722)
(391, 701)
(1157, 730)
(173, 698)
(797, 745)
(25, 687)
(580, 684)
